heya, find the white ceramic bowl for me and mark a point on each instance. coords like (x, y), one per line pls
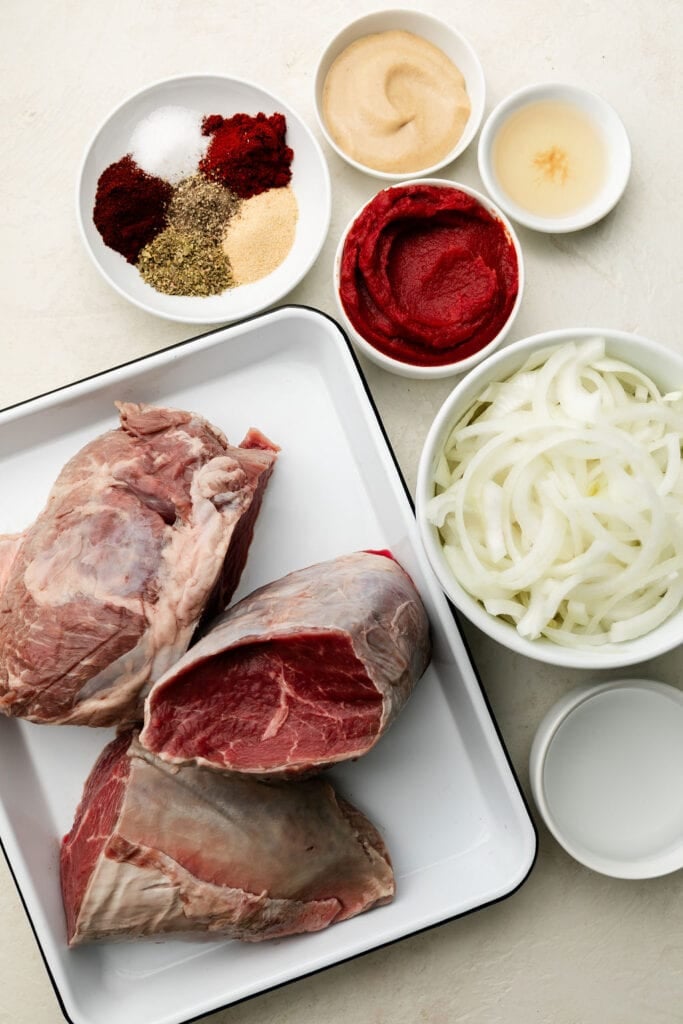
(406, 369)
(610, 128)
(208, 94)
(605, 769)
(665, 367)
(434, 31)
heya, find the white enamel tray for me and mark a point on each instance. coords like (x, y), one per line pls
(439, 785)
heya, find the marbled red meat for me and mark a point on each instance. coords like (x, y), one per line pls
(156, 849)
(306, 671)
(145, 531)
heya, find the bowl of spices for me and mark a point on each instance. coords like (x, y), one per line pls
(428, 278)
(203, 199)
(399, 93)
(555, 157)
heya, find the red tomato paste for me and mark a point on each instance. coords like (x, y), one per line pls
(428, 276)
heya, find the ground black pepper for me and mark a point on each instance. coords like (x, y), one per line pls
(201, 205)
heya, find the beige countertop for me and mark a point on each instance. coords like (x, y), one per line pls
(571, 946)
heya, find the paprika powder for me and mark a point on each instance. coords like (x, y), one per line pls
(130, 207)
(247, 154)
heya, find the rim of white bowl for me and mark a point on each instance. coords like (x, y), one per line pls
(607, 656)
(575, 836)
(277, 101)
(477, 94)
(612, 129)
(396, 366)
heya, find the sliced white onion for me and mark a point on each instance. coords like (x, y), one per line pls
(559, 498)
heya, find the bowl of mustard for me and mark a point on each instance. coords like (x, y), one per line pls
(398, 94)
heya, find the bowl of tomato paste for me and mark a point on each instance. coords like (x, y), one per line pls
(428, 278)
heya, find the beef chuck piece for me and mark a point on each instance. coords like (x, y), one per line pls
(144, 527)
(156, 849)
(9, 545)
(306, 671)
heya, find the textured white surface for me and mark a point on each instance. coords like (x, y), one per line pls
(571, 947)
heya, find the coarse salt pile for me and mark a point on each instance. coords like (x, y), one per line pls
(169, 143)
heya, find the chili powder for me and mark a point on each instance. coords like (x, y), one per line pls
(130, 207)
(247, 154)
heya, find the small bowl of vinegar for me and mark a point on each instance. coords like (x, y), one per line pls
(555, 157)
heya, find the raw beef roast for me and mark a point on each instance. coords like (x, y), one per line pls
(306, 671)
(144, 528)
(9, 545)
(157, 849)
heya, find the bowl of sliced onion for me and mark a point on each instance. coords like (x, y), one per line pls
(550, 497)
